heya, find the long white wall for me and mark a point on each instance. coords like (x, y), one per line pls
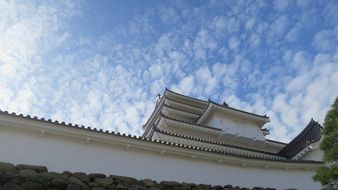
(61, 153)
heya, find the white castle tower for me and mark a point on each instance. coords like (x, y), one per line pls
(186, 120)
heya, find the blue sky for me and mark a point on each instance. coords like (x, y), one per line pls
(102, 63)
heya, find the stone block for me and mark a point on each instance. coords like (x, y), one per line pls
(12, 186)
(258, 188)
(97, 175)
(6, 177)
(51, 175)
(188, 186)
(28, 185)
(124, 180)
(27, 173)
(74, 180)
(148, 182)
(104, 182)
(169, 184)
(67, 173)
(203, 186)
(136, 187)
(72, 186)
(7, 167)
(217, 187)
(98, 188)
(121, 187)
(93, 184)
(82, 176)
(153, 188)
(32, 167)
(58, 183)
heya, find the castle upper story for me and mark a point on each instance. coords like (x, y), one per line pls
(182, 119)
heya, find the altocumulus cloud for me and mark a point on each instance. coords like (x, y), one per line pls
(91, 63)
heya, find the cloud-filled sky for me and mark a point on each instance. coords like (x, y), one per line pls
(102, 63)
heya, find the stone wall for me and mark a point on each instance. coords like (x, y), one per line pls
(27, 177)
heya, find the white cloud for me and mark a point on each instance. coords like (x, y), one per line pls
(279, 26)
(298, 83)
(233, 43)
(169, 15)
(254, 40)
(156, 71)
(310, 95)
(330, 12)
(293, 34)
(28, 31)
(280, 5)
(206, 82)
(288, 113)
(220, 23)
(325, 40)
(250, 24)
(157, 86)
(203, 42)
(186, 85)
(300, 61)
(253, 57)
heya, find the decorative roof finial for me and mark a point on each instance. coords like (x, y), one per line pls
(158, 98)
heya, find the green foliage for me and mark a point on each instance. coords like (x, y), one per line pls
(326, 174)
(329, 145)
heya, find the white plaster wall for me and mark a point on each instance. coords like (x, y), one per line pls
(239, 127)
(315, 153)
(63, 153)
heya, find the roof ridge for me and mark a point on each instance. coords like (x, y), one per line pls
(195, 106)
(189, 97)
(240, 110)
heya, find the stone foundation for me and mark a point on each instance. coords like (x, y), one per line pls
(27, 177)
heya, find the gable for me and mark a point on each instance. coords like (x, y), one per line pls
(235, 126)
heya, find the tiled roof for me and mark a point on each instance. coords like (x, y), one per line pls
(278, 142)
(311, 134)
(189, 97)
(210, 142)
(190, 123)
(182, 102)
(235, 109)
(241, 155)
(179, 109)
(75, 126)
(210, 101)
